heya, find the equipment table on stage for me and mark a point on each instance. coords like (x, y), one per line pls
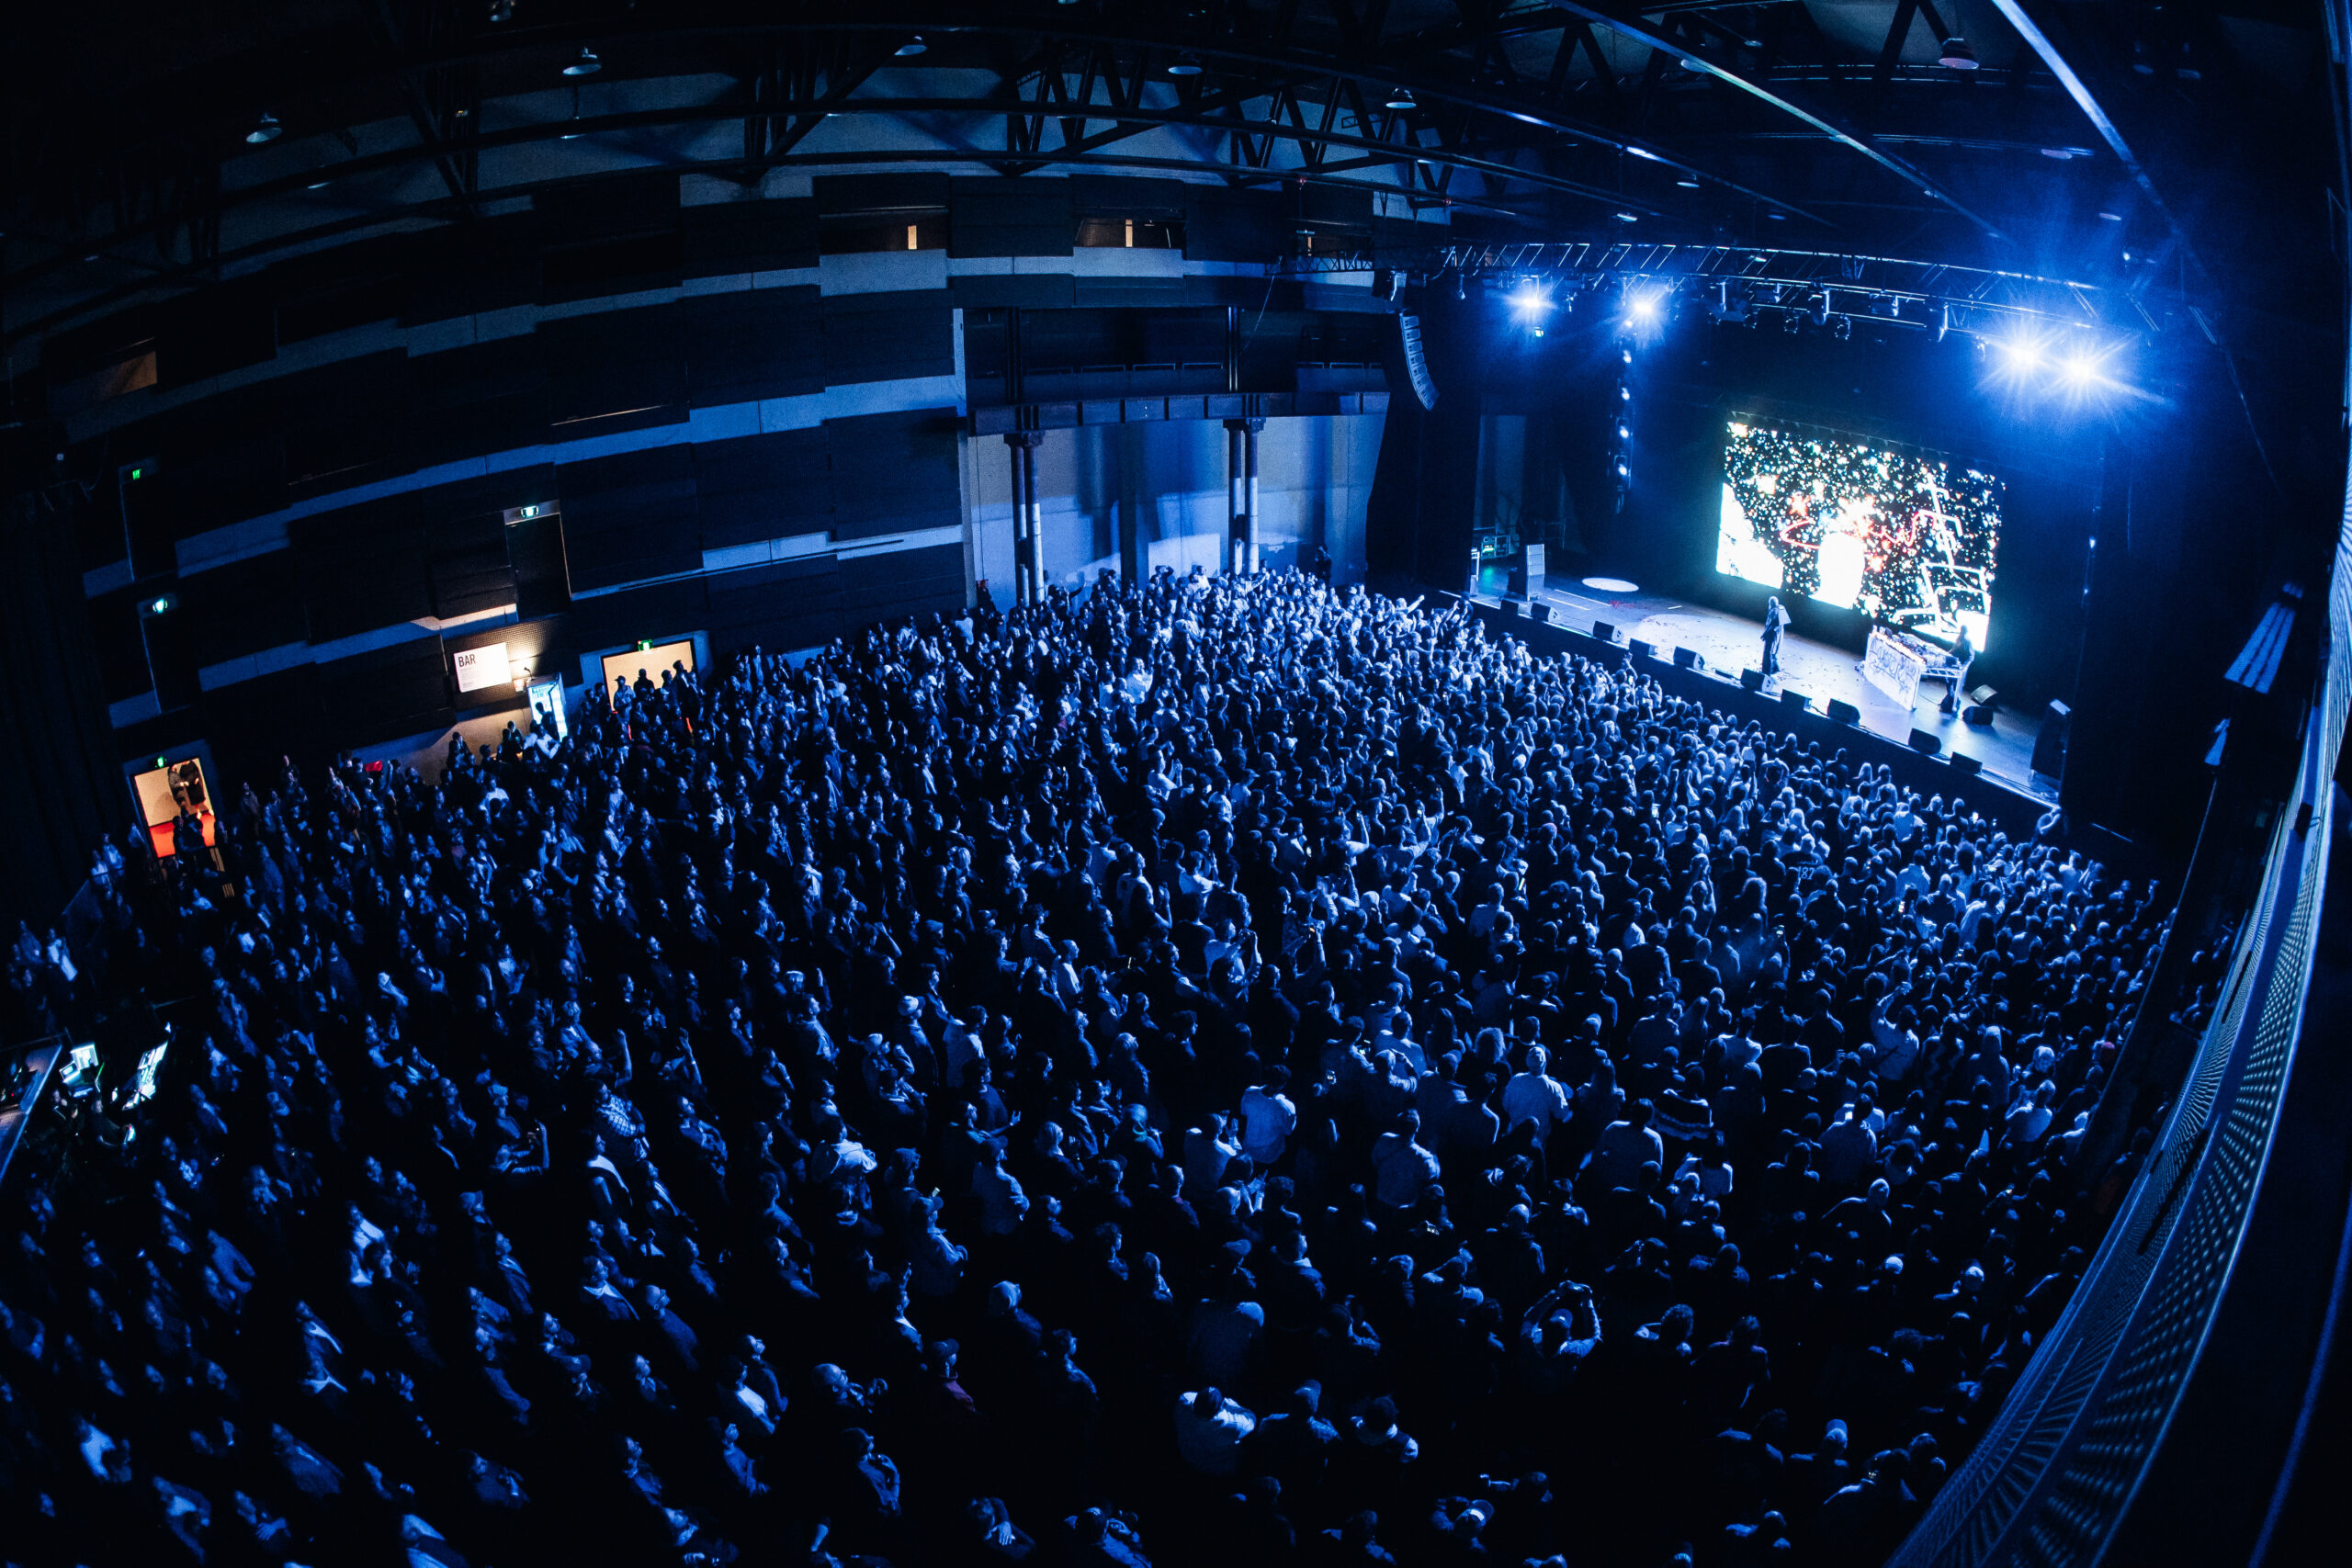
(1896, 664)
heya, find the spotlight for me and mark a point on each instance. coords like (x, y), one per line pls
(266, 130)
(1623, 434)
(1186, 66)
(1790, 321)
(1624, 472)
(1842, 328)
(1943, 323)
(2078, 368)
(586, 65)
(1401, 99)
(1530, 301)
(1460, 286)
(912, 47)
(1956, 55)
(1821, 309)
(1687, 182)
(502, 10)
(1647, 154)
(1643, 309)
(1628, 218)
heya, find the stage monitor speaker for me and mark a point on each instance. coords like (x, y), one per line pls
(1968, 765)
(1844, 712)
(1981, 695)
(1926, 743)
(1796, 700)
(2050, 746)
(1604, 631)
(1541, 611)
(1641, 649)
(1689, 658)
(1977, 713)
(1416, 366)
(1511, 607)
(1751, 680)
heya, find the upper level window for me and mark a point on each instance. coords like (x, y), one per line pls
(920, 229)
(1132, 233)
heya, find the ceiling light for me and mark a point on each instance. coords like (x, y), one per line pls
(1956, 55)
(1402, 98)
(1688, 182)
(1628, 218)
(1777, 216)
(318, 184)
(1645, 153)
(586, 65)
(265, 129)
(912, 47)
(2110, 218)
(2063, 154)
(1187, 66)
(502, 10)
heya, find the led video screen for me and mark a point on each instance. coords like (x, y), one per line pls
(1906, 540)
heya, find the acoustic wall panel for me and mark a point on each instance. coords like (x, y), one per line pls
(243, 607)
(1010, 218)
(767, 343)
(629, 517)
(224, 328)
(749, 236)
(362, 568)
(466, 556)
(903, 582)
(492, 264)
(894, 473)
(345, 424)
(488, 397)
(890, 337)
(614, 371)
(848, 195)
(386, 692)
(764, 487)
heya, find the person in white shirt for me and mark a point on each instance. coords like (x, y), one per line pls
(1210, 1429)
(1534, 1095)
(1267, 1118)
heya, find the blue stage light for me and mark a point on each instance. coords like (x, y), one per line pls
(1530, 303)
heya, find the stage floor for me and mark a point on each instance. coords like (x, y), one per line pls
(1730, 645)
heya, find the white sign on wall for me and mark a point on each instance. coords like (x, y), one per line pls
(483, 666)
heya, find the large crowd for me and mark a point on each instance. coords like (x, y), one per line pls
(1213, 1070)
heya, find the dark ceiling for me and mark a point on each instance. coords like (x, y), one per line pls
(2180, 152)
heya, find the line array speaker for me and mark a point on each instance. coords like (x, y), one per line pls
(1417, 366)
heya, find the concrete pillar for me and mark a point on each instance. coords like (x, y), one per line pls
(1021, 446)
(1036, 520)
(1242, 465)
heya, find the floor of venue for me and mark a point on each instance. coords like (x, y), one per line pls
(1730, 643)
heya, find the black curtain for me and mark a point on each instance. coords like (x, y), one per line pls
(59, 784)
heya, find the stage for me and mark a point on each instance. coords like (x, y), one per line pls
(1730, 645)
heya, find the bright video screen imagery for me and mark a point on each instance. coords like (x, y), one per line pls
(1908, 540)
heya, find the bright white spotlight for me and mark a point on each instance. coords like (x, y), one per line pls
(2021, 353)
(1643, 308)
(2078, 368)
(1530, 301)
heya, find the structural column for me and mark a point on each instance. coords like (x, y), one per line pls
(1241, 467)
(1028, 565)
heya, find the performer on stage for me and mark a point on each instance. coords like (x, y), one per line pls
(1775, 621)
(1955, 674)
